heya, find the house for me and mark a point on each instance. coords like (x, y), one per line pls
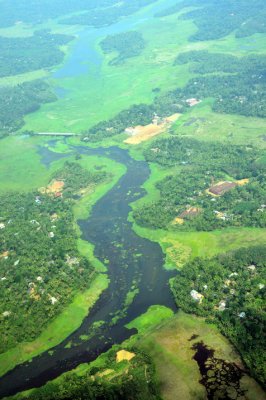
(54, 217)
(130, 131)
(252, 268)
(53, 300)
(6, 314)
(222, 305)
(196, 296)
(192, 102)
(37, 200)
(222, 187)
(221, 215)
(191, 212)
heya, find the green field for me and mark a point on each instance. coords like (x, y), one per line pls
(203, 124)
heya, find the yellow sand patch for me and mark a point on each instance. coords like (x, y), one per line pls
(54, 187)
(142, 133)
(124, 355)
(242, 182)
(178, 221)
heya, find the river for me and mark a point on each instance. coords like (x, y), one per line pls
(132, 260)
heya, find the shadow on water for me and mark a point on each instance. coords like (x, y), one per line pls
(132, 260)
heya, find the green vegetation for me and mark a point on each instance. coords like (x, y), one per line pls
(72, 315)
(59, 329)
(106, 378)
(20, 55)
(207, 16)
(203, 62)
(229, 290)
(203, 124)
(108, 15)
(240, 92)
(208, 191)
(170, 347)
(154, 316)
(127, 45)
(37, 229)
(92, 95)
(74, 178)
(17, 101)
(39, 13)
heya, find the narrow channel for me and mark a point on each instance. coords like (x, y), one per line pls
(132, 260)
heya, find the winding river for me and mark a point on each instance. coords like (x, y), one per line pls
(132, 261)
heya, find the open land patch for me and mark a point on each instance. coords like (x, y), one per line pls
(141, 134)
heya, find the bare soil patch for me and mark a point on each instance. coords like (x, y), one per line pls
(142, 133)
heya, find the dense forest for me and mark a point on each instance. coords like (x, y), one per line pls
(235, 16)
(19, 55)
(17, 101)
(230, 291)
(127, 45)
(40, 267)
(236, 172)
(113, 379)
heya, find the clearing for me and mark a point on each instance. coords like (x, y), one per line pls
(142, 133)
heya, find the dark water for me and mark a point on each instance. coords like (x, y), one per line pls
(132, 260)
(220, 378)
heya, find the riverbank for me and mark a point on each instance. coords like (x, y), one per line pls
(73, 315)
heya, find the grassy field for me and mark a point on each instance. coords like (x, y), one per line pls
(169, 344)
(20, 164)
(203, 124)
(179, 247)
